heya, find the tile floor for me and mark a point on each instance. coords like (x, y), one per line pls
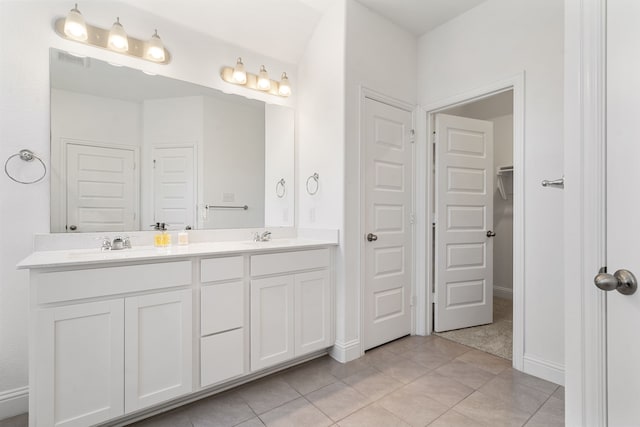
(414, 381)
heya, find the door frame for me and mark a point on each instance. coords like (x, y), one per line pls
(61, 182)
(366, 93)
(425, 162)
(585, 211)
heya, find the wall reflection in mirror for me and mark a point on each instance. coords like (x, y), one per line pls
(130, 149)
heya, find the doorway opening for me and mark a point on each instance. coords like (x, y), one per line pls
(472, 194)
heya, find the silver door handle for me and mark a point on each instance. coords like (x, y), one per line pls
(622, 280)
(372, 237)
(553, 183)
(491, 234)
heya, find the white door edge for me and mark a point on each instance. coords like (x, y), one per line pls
(367, 93)
(517, 84)
(584, 120)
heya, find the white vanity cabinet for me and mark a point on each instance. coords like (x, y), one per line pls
(291, 309)
(97, 360)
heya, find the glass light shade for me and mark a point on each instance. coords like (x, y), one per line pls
(284, 89)
(118, 37)
(239, 74)
(74, 25)
(263, 79)
(155, 48)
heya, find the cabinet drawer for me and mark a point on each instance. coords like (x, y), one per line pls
(289, 261)
(216, 269)
(221, 307)
(221, 357)
(77, 284)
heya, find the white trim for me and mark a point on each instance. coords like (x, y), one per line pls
(584, 157)
(14, 402)
(502, 292)
(544, 369)
(517, 84)
(345, 352)
(366, 93)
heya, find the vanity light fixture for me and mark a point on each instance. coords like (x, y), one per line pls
(261, 82)
(118, 37)
(155, 48)
(263, 79)
(284, 89)
(74, 25)
(239, 73)
(74, 28)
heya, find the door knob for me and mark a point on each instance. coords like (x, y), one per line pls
(491, 234)
(622, 280)
(72, 227)
(372, 237)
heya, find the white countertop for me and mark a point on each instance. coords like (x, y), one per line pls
(81, 257)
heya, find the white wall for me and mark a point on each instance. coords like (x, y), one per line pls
(86, 118)
(233, 159)
(279, 154)
(497, 40)
(380, 56)
(24, 123)
(503, 209)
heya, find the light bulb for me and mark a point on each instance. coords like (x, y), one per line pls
(239, 74)
(118, 37)
(263, 79)
(74, 25)
(155, 48)
(284, 89)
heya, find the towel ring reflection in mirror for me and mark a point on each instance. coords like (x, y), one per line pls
(27, 156)
(281, 188)
(313, 184)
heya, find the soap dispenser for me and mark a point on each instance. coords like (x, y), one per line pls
(166, 237)
(158, 238)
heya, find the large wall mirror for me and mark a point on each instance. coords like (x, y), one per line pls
(130, 149)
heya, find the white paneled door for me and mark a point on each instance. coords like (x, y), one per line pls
(388, 156)
(174, 189)
(464, 221)
(623, 205)
(101, 188)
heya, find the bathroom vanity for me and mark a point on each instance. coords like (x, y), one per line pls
(117, 335)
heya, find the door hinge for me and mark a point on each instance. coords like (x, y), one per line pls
(154, 163)
(435, 138)
(134, 165)
(413, 301)
(412, 136)
(412, 218)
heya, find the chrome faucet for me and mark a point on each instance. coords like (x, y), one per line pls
(106, 244)
(117, 244)
(264, 237)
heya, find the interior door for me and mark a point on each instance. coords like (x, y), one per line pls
(623, 204)
(101, 193)
(388, 210)
(174, 186)
(464, 222)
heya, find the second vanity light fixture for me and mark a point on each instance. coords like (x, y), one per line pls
(261, 82)
(74, 28)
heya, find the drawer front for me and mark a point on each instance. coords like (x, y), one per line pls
(217, 269)
(221, 357)
(221, 307)
(78, 284)
(285, 262)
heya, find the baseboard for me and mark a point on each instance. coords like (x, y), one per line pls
(500, 292)
(345, 352)
(14, 402)
(544, 369)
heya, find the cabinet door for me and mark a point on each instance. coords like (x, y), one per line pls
(271, 321)
(80, 364)
(158, 348)
(312, 312)
(221, 357)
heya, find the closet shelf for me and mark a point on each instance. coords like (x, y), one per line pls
(501, 172)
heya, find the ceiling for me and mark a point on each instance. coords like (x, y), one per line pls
(259, 25)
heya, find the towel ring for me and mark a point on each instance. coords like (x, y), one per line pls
(27, 156)
(315, 177)
(281, 188)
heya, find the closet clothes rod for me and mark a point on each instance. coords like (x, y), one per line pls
(243, 207)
